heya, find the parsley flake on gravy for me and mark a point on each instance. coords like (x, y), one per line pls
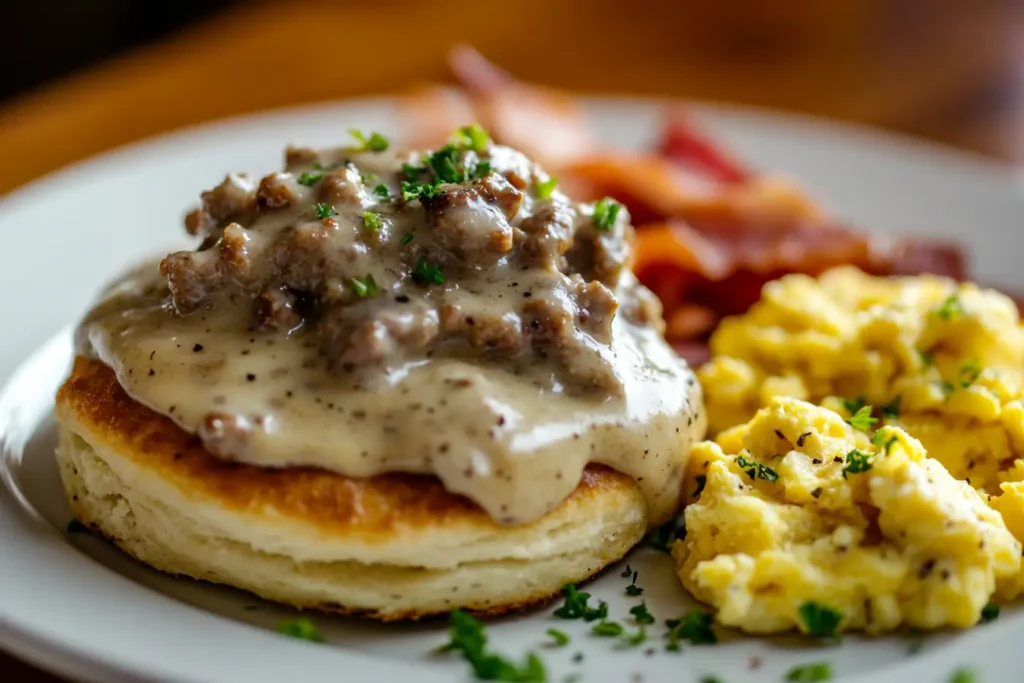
(324, 210)
(365, 287)
(819, 620)
(468, 638)
(808, 673)
(546, 188)
(372, 221)
(426, 274)
(301, 628)
(473, 137)
(309, 179)
(375, 143)
(382, 191)
(606, 210)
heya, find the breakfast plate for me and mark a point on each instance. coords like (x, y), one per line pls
(74, 604)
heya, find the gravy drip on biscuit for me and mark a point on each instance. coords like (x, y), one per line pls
(443, 313)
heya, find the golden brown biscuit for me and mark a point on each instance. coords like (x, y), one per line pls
(394, 546)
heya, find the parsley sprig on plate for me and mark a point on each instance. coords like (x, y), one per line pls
(468, 638)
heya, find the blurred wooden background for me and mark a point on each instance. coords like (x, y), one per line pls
(949, 70)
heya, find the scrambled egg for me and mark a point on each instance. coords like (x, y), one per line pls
(797, 510)
(941, 360)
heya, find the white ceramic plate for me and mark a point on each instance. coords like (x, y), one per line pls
(77, 606)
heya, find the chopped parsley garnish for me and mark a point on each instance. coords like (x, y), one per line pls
(473, 137)
(546, 188)
(467, 637)
(710, 679)
(852, 405)
(76, 527)
(627, 572)
(756, 470)
(963, 675)
(807, 673)
(916, 642)
(324, 211)
(926, 358)
(558, 638)
(576, 607)
(606, 210)
(989, 612)
(634, 639)
(634, 590)
(426, 274)
(367, 178)
(446, 170)
(382, 191)
(891, 410)
(694, 627)
(950, 308)
(365, 287)
(882, 440)
(407, 237)
(301, 628)
(480, 170)
(856, 463)
(820, 620)
(309, 179)
(375, 143)
(607, 629)
(944, 386)
(641, 614)
(665, 536)
(413, 172)
(372, 221)
(702, 480)
(970, 372)
(413, 190)
(862, 419)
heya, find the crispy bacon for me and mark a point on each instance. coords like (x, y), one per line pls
(710, 230)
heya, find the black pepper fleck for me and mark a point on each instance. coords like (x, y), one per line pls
(197, 348)
(152, 372)
(250, 377)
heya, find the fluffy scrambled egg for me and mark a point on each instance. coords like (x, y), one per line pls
(798, 513)
(943, 361)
